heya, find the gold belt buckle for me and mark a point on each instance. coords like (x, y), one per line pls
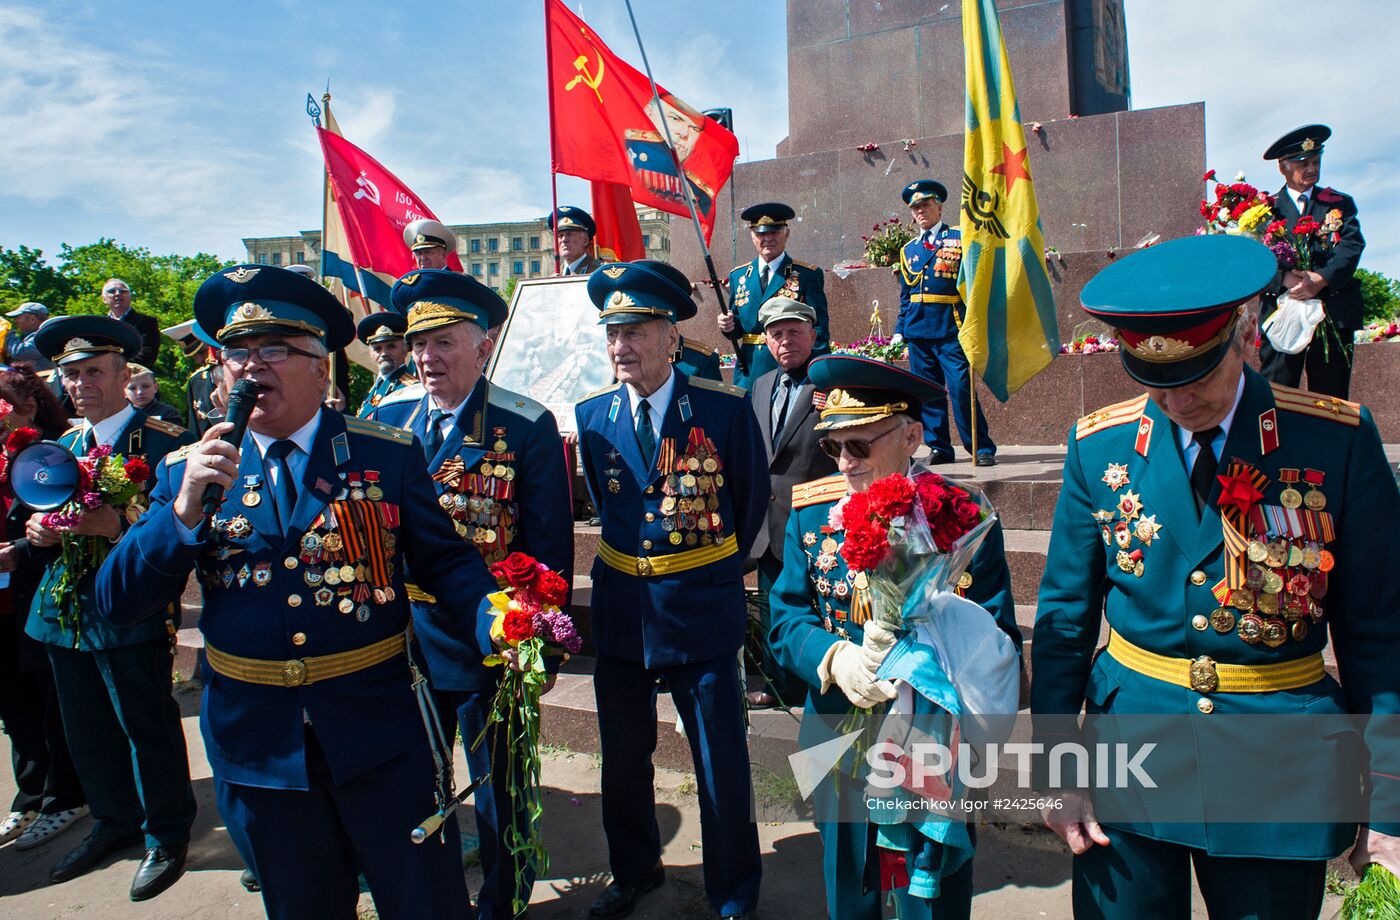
(294, 673)
(643, 566)
(1203, 676)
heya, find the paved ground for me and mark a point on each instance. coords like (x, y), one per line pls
(1021, 872)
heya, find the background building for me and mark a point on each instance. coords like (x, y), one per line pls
(492, 253)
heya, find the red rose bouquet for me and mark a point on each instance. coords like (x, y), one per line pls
(529, 621)
(104, 480)
(1236, 207)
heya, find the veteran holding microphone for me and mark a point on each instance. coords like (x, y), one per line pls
(322, 761)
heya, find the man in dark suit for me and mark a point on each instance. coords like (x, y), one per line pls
(116, 294)
(783, 401)
(574, 229)
(113, 683)
(1336, 252)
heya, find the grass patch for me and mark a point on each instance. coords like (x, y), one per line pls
(773, 789)
(1337, 885)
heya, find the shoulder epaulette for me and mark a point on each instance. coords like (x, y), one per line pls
(203, 368)
(164, 427)
(828, 488)
(1328, 407)
(1123, 413)
(378, 430)
(411, 393)
(600, 392)
(523, 406)
(74, 430)
(705, 383)
(408, 375)
(699, 349)
(179, 455)
(808, 265)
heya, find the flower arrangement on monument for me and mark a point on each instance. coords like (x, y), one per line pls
(1237, 207)
(529, 622)
(1383, 331)
(1089, 344)
(885, 241)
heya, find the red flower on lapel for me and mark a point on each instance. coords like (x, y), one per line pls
(1328, 194)
(1238, 491)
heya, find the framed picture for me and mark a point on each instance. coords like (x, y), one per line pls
(551, 347)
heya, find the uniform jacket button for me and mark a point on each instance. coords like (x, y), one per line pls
(1199, 622)
(1205, 706)
(1198, 578)
(650, 517)
(299, 638)
(646, 544)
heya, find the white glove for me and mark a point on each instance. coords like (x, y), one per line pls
(876, 645)
(845, 667)
(897, 340)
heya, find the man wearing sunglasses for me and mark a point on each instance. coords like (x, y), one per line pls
(116, 294)
(821, 626)
(323, 759)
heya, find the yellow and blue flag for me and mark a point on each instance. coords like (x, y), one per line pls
(1009, 331)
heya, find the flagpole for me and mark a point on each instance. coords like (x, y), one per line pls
(325, 198)
(684, 182)
(553, 157)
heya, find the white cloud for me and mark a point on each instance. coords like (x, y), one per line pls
(1264, 67)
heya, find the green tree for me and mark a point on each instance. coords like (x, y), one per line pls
(1380, 296)
(25, 275)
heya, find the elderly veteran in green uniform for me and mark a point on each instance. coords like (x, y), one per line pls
(1183, 520)
(113, 682)
(574, 229)
(382, 333)
(431, 242)
(774, 271)
(821, 611)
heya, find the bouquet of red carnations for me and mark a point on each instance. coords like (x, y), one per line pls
(104, 479)
(529, 621)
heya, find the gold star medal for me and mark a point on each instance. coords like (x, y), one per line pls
(1116, 476)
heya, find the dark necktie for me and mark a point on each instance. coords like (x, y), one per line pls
(763, 276)
(434, 442)
(89, 441)
(1203, 470)
(1302, 204)
(284, 493)
(782, 395)
(646, 438)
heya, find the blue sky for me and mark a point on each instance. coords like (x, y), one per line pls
(181, 127)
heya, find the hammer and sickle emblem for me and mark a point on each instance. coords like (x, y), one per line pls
(592, 81)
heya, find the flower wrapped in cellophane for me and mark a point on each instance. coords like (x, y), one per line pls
(531, 624)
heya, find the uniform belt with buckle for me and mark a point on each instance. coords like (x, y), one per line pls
(1205, 675)
(670, 563)
(755, 339)
(297, 672)
(935, 298)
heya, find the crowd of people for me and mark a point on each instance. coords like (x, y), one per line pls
(345, 561)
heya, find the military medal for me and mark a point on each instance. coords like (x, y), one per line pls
(362, 613)
(1252, 628)
(964, 580)
(332, 542)
(332, 576)
(346, 605)
(1257, 551)
(1290, 497)
(1223, 620)
(1147, 529)
(500, 445)
(1116, 476)
(310, 544)
(1275, 633)
(1299, 630)
(262, 574)
(1242, 599)
(1123, 534)
(829, 545)
(1125, 560)
(1277, 553)
(614, 486)
(1130, 505)
(239, 527)
(356, 492)
(312, 577)
(251, 499)
(243, 575)
(289, 563)
(373, 492)
(1314, 500)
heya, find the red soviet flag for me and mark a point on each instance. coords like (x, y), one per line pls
(606, 126)
(619, 236)
(374, 207)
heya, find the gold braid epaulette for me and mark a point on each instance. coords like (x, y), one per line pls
(164, 427)
(829, 488)
(706, 384)
(1123, 413)
(180, 455)
(378, 430)
(1329, 407)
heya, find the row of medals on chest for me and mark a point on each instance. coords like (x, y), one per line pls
(467, 507)
(1285, 582)
(690, 506)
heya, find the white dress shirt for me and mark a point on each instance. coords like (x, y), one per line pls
(931, 234)
(303, 438)
(658, 402)
(773, 267)
(106, 431)
(1189, 447)
(573, 267)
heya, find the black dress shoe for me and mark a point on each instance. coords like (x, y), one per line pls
(85, 856)
(986, 460)
(620, 900)
(161, 868)
(249, 880)
(935, 458)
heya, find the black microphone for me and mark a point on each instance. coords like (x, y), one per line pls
(241, 399)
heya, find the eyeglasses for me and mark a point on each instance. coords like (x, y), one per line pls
(267, 354)
(856, 447)
(117, 291)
